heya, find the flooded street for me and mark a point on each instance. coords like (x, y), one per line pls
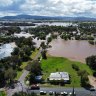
(72, 49)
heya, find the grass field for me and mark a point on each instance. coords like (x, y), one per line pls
(62, 64)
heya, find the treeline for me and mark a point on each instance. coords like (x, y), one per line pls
(87, 28)
(42, 31)
(10, 65)
(17, 24)
(83, 75)
(10, 30)
(91, 62)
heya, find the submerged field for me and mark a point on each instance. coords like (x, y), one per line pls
(52, 64)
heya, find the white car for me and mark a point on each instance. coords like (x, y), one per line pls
(43, 93)
(64, 93)
(92, 89)
(70, 94)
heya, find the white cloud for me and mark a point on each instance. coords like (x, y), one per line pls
(59, 7)
(6, 2)
(7, 14)
(50, 7)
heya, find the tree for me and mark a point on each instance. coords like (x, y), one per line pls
(49, 39)
(43, 45)
(16, 51)
(10, 74)
(36, 67)
(32, 78)
(43, 53)
(91, 62)
(84, 80)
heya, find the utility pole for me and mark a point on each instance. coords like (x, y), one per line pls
(73, 91)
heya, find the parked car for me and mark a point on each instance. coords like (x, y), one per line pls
(70, 94)
(34, 87)
(92, 89)
(51, 93)
(43, 93)
(64, 93)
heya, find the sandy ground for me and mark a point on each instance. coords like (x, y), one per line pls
(92, 81)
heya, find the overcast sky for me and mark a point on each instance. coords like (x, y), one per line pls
(69, 8)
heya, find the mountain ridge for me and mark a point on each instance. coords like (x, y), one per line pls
(35, 17)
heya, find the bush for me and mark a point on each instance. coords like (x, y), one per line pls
(85, 80)
(75, 67)
(91, 42)
(82, 72)
(94, 74)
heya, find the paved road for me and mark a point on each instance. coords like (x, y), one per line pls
(21, 85)
(78, 91)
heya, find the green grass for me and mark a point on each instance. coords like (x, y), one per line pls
(62, 64)
(19, 73)
(24, 64)
(34, 53)
(2, 93)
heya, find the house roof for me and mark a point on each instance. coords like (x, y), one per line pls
(59, 76)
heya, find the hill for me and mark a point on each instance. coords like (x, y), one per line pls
(35, 17)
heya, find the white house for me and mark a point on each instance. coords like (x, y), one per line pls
(59, 76)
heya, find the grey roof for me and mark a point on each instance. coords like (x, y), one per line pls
(59, 76)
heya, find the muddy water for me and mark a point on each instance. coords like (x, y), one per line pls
(72, 49)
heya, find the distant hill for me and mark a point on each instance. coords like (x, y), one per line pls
(48, 18)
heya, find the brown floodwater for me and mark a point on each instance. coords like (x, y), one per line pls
(72, 49)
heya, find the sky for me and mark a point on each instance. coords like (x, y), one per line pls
(69, 8)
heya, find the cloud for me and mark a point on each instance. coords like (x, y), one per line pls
(50, 7)
(5, 2)
(59, 7)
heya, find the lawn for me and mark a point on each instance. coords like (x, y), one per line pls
(19, 73)
(62, 64)
(2, 93)
(34, 53)
(24, 64)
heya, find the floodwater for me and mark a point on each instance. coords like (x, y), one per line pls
(72, 49)
(56, 24)
(6, 49)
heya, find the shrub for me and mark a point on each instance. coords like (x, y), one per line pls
(91, 42)
(75, 67)
(94, 74)
(82, 72)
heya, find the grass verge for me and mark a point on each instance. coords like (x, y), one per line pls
(24, 64)
(2, 93)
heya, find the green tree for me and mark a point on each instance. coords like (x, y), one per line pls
(91, 62)
(10, 74)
